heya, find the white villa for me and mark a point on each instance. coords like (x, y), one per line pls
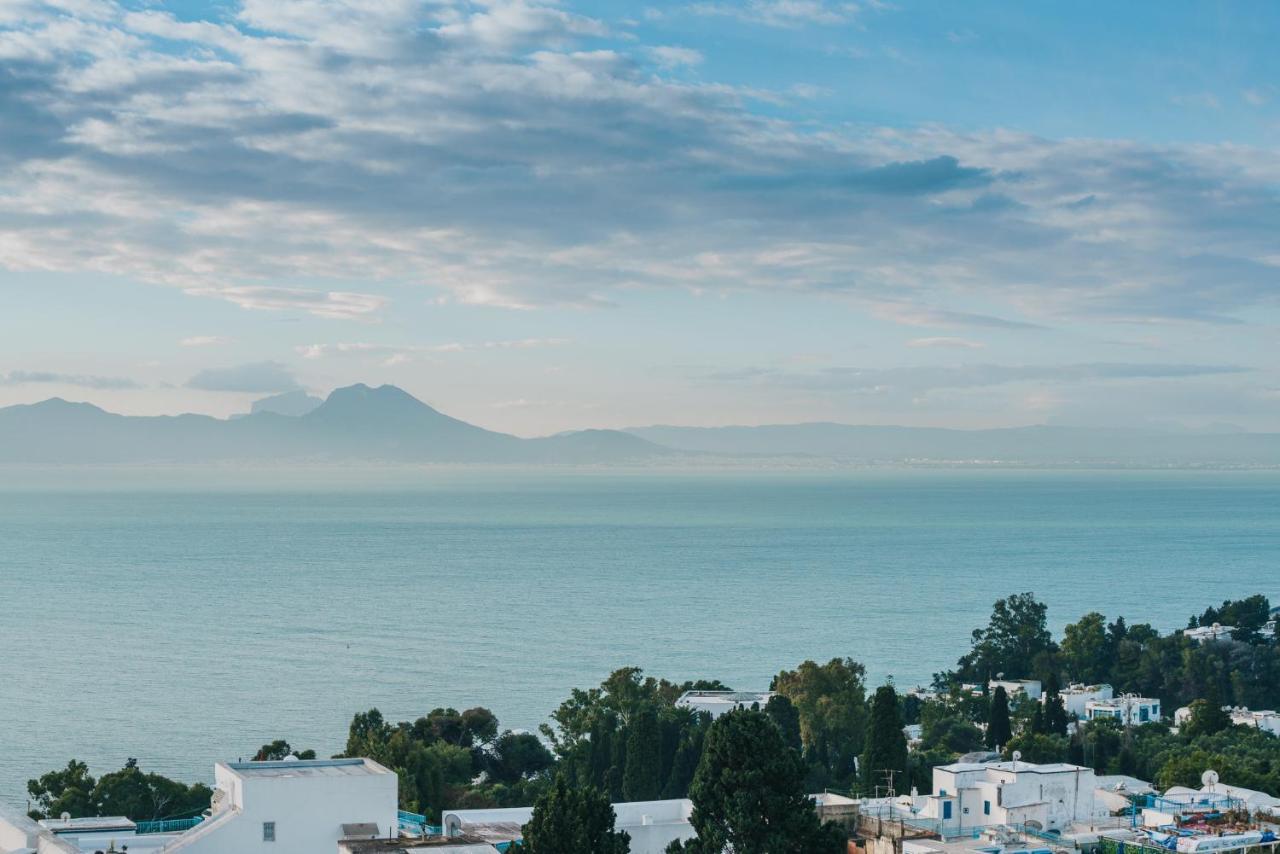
(1076, 697)
(1129, 710)
(1047, 797)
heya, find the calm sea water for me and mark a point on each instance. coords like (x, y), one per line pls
(182, 622)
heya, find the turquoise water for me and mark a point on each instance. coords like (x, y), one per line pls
(182, 623)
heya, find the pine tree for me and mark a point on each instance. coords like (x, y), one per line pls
(573, 820)
(999, 730)
(886, 743)
(748, 794)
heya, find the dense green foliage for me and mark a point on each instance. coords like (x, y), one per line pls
(628, 738)
(830, 700)
(572, 820)
(128, 792)
(440, 757)
(885, 757)
(749, 795)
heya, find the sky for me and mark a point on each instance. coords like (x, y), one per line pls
(543, 216)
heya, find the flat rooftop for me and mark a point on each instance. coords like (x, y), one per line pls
(91, 824)
(309, 768)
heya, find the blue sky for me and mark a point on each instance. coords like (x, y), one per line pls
(542, 216)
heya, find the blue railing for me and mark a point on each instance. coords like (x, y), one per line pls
(415, 823)
(168, 825)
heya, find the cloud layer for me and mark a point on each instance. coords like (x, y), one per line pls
(306, 156)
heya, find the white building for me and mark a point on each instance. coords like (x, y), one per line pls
(1046, 797)
(1075, 697)
(717, 703)
(652, 825)
(1128, 710)
(1267, 721)
(288, 807)
(292, 807)
(1209, 633)
(1030, 688)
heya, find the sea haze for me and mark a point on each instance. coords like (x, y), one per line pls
(181, 623)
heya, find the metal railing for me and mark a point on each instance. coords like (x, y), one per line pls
(168, 825)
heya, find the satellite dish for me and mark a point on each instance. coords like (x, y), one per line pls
(1209, 778)
(66, 816)
(1017, 754)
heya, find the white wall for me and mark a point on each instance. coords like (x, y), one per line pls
(308, 812)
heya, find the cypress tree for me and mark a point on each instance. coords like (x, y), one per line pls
(642, 779)
(886, 748)
(1055, 715)
(999, 730)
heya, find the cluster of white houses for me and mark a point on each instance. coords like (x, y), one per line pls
(349, 806)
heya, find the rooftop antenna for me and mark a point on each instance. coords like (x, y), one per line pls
(886, 790)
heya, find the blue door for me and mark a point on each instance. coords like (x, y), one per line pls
(946, 810)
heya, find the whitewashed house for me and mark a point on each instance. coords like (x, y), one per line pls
(1032, 689)
(1044, 797)
(1128, 710)
(1076, 697)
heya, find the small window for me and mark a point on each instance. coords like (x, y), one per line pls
(986, 807)
(268, 831)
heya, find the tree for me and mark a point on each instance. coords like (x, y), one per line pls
(749, 794)
(1016, 634)
(1055, 714)
(68, 790)
(642, 779)
(517, 756)
(886, 743)
(951, 734)
(999, 730)
(573, 820)
(128, 792)
(783, 712)
(1207, 717)
(831, 701)
(1084, 649)
(280, 749)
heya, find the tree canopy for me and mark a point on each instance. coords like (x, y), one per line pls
(749, 794)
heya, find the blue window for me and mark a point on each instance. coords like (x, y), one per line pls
(986, 807)
(946, 810)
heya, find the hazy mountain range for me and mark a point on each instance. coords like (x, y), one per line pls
(386, 424)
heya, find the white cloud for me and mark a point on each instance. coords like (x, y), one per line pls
(497, 154)
(258, 378)
(400, 354)
(669, 56)
(783, 13)
(99, 383)
(946, 343)
(205, 340)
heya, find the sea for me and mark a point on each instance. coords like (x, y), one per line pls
(184, 617)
